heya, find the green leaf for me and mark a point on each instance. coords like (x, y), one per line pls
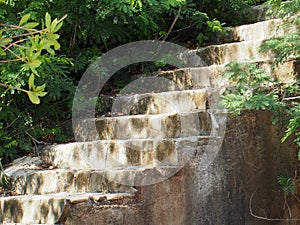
(50, 50)
(2, 52)
(31, 25)
(40, 88)
(56, 45)
(24, 19)
(53, 25)
(5, 41)
(57, 28)
(33, 97)
(31, 82)
(48, 20)
(34, 63)
(41, 94)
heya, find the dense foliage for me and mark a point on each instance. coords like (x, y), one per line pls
(254, 88)
(28, 65)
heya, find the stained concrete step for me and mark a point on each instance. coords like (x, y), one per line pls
(159, 103)
(36, 182)
(120, 153)
(114, 180)
(54, 208)
(185, 89)
(211, 76)
(226, 53)
(106, 175)
(171, 125)
(263, 30)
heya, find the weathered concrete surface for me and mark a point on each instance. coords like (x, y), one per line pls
(164, 102)
(35, 182)
(159, 204)
(211, 76)
(226, 53)
(52, 209)
(248, 164)
(171, 125)
(263, 30)
(107, 154)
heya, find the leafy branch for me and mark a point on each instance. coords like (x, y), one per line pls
(27, 47)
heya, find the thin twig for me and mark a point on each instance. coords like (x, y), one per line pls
(17, 27)
(5, 85)
(9, 125)
(27, 34)
(291, 98)
(14, 43)
(61, 19)
(173, 24)
(264, 217)
(287, 205)
(296, 197)
(190, 25)
(35, 142)
(17, 56)
(10, 60)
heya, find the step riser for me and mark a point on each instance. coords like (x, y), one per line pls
(31, 211)
(171, 156)
(54, 181)
(146, 127)
(259, 31)
(114, 154)
(223, 54)
(167, 102)
(55, 208)
(210, 77)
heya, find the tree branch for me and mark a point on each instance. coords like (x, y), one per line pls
(173, 24)
(12, 52)
(14, 43)
(9, 60)
(17, 27)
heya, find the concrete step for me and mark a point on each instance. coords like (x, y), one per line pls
(159, 103)
(211, 76)
(263, 30)
(121, 153)
(107, 175)
(226, 53)
(35, 182)
(171, 125)
(54, 208)
(114, 180)
(187, 89)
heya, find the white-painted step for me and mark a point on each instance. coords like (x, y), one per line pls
(171, 125)
(160, 103)
(35, 182)
(263, 30)
(226, 53)
(108, 154)
(211, 76)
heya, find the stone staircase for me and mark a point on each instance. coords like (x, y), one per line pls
(142, 146)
